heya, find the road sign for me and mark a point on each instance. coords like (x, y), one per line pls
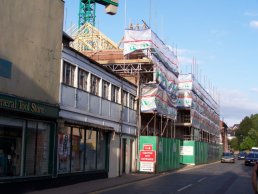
(147, 156)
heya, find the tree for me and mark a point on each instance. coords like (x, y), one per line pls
(244, 127)
(247, 133)
(234, 144)
(251, 140)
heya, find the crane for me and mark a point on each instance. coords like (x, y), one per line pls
(87, 10)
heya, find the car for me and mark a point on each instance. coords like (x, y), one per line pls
(227, 157)
(254, 149)
(251, 158)
(241, 155)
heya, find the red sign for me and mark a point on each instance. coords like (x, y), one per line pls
(147, 156)
(147, 146)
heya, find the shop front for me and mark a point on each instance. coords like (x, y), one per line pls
(82, 148)
(27, 134)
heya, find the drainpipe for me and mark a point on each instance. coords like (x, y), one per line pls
(121, 130)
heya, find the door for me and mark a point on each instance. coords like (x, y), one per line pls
(123, 155)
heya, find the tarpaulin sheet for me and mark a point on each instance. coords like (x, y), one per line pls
(155, 99)
(147, 39)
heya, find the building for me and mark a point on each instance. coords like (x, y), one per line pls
(224, 135)
(30, 53)
(197, 122)
(148, 63)
(97, 122)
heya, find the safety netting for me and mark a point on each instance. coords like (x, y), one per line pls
(160, 95)
(204, 109)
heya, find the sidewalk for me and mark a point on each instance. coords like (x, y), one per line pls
(102, 184)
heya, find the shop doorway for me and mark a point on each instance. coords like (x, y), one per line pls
(131, 155)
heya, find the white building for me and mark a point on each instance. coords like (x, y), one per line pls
(97, 126)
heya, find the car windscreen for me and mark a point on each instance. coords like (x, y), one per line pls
(252, 155)
(227, 154)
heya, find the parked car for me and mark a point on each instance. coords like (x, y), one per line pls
(241, 155)
(251, 158)
(228, 157)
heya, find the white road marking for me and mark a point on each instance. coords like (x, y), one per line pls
(183, 188)
(202, 179)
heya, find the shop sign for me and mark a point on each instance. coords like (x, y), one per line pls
(21, 105)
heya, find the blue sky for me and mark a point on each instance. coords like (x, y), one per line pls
(221, 35)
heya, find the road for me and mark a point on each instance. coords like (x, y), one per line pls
(216, 178)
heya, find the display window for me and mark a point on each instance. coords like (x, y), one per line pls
(24, 147)
(10, 150)
(81, 150)
(64, 145)
(37, 148)
(101, 151)
(91, 149)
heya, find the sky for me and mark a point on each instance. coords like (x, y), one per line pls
(221, 36)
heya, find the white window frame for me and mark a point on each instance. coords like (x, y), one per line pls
(69, 79)
(95, 85)
(84, 75)
(105, 89)
(115, 93)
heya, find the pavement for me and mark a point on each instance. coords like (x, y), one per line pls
(94, 186)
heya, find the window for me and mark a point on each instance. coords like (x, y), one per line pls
(105, 89)
(81, 150)
(124, 98)
(91, 149)
(64, 150)
(114, 93)
(101, 150)
(68, 73)
(82, 79)
(37, 148)
(95, 85)
(132, 101)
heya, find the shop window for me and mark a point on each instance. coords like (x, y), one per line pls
(101, 151)
(82, 79)
(105, 89)
(81, 150)
(95, 85)
(78, 140)
(91, 149)
(37, 148)
(10, 151)
(68, 73)
(64, 145)
(125, 97)
(114, 93)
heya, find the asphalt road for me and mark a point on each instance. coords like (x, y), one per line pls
(216, 178)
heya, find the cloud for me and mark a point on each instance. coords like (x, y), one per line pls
(252, 14)
(253, 24)
(235, 106)
(254, 89)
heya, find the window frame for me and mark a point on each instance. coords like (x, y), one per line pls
(94, 84)
(125, 98)
(114, 93)
(105, 89)
(68, 73)
(132, 102)
(83, 79)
